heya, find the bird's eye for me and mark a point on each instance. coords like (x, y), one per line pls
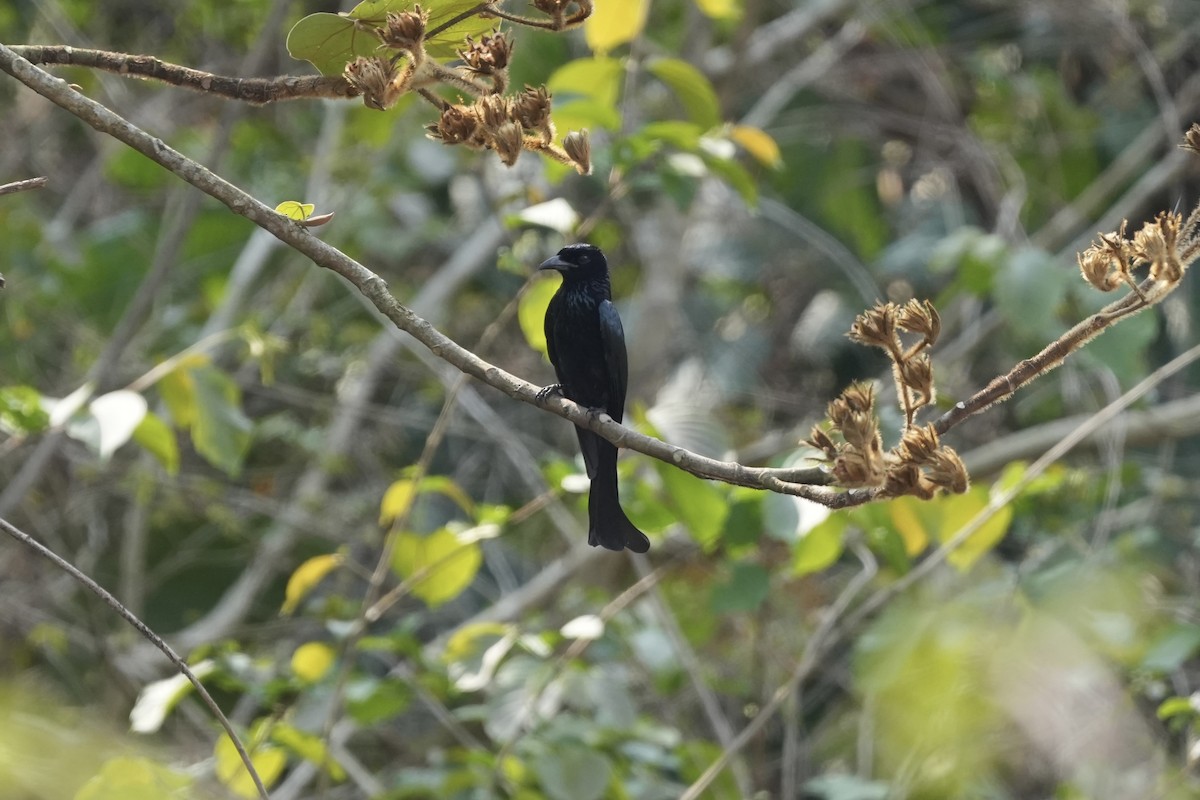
(584, 260)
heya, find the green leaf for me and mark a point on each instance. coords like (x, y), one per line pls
(675, 132)
(574, 115)
(1175, 707)
(1172, 648)
(441, 566)
(956, 511)
(747, 588)
(312, 661)
(573, 772)
(821, 546)
(221, 432)
(372, 700)
(308, 746)
(694, 91)
(596, 79)
(268, 762)
(698, 504)
(531, 311)
(330, 41)
(735, 175)
(157, 439)
(1028, 288)
(21, 410)
(126, 778)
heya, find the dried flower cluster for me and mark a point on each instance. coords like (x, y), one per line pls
(492, 119)
(509, 125)
(919, 465)
(1166, 245)
(911, 367)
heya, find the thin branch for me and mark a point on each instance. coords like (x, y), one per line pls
(22, 186)
(257, 91)
(148, 634)
(1146, 294)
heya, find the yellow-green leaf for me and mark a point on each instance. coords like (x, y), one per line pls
(821, 546)
(268, 761)
(128, 778)
(906, 516)
(960, 509)
(159, 440)
(295, 210)
(615, 22)
(306, 577)
(396, 500)
(694, 90)
(311, 661)
(759, 144)
(598, 79)
(308, 746)
(440, 565)
(531, 311)
(720, 9)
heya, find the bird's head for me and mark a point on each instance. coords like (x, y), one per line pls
(578, 261)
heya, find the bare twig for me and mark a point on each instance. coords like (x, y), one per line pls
(257, 91)
(22, 186)
(146, 633)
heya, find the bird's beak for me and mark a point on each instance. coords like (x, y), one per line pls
(554, 262)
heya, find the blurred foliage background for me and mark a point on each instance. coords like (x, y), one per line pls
(764, 170)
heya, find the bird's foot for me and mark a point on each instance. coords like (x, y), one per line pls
(546, 391)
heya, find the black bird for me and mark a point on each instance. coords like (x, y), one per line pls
(586, 345)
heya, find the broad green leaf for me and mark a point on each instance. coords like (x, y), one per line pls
(401, 494)
(155, 700)
(330, 41)
(127, 778)
(735, 175)
(747, 588)
(308, 746)
(1028, 288)
(957, 510)
(178, 390)
(295, 210)
(531, 311)
(1175, 707)
(268, 762)
(443, 44)
(21, 410)
(821, 546)
(372, 700)
(678, 133)
(118, 415)
(441, 566)
(720, 9)
(597, 79)
(615, 22)
(157, 438)
(312, 661)
(306, 577)
(698, 504)
(574, 115)
(573, 772)
(759, 144)
(221, 432)
(694, 90)
(1174, 646)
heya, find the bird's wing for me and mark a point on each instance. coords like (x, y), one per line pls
(616, 362)
(552, 312)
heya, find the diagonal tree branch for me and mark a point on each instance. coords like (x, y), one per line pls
(809, 483)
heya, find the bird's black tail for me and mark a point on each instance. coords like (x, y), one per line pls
(608, 526)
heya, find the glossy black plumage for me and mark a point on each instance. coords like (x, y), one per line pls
(586, 345)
